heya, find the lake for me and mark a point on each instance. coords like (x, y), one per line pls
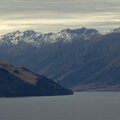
(80, 106)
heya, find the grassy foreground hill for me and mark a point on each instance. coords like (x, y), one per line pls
(16, 82)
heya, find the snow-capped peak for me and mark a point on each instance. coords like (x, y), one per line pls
(117, 29)
(15, 37)
(36, 38)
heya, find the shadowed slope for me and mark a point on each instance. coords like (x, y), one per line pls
(15, 81)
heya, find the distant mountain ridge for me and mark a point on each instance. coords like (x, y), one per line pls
(80, 59)
(36, 38)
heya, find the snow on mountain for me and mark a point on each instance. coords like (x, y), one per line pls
(36, 38)
(117, 29)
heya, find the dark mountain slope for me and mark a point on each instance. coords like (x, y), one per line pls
(80, 65)
(16, 82)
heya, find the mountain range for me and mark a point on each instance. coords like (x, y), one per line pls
(19, 82)
(80, 59)
(39, 39)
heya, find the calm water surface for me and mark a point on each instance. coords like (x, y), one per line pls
(81, 106)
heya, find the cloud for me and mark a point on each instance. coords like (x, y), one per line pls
(53, 15)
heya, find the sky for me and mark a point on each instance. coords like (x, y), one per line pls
(55, 15)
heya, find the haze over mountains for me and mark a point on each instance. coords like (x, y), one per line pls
(80, 59)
